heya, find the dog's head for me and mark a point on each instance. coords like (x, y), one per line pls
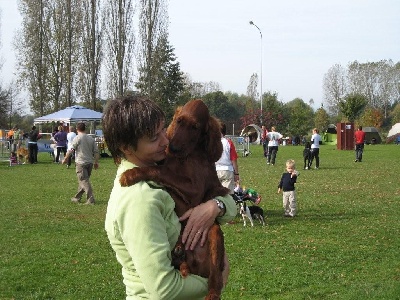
(193, 129)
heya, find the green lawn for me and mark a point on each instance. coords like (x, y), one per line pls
(344, 243)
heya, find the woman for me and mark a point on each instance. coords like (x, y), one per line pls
(315, 141)
(141, 223)
(273, 144)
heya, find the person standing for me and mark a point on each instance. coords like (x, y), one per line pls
(17, 139)
(286, 184)
(315, 141)
(33, 137)
(61, 139)
(273, 143)
(264, 139)
(226, 166)
(141, 222)
(86, 158)
(70, 137)
(10, 137)
(359, 138)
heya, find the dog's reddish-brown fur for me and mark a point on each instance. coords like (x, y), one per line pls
(189, 175)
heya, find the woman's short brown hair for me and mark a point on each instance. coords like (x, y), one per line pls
(127, 119)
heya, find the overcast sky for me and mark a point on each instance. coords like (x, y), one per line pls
(214, 41)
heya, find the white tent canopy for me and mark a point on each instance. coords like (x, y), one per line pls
(72, 114)
(394, 130)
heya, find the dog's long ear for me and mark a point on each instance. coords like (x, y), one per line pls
(172, 125)
(214, 145)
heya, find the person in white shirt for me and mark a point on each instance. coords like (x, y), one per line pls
(227, 167)
(70, 137)
(273, 143)
(315, 141)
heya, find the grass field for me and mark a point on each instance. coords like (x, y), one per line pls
(344, 243)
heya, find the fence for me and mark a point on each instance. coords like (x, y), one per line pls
(242, 144)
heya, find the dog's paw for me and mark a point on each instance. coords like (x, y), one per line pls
(128, 178)
(212, 295)
(184, 269)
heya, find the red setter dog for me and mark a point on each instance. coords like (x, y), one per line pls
(189, 175)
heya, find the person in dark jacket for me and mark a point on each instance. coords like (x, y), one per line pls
(286, 185)
(61, 139)
(33, 137)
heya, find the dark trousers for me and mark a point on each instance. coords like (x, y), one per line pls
(33, 152)
(359, 151)
(265, 147)
(271, 155)
(59, 149)
(315, 154)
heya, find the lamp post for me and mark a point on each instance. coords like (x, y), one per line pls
(261, 81)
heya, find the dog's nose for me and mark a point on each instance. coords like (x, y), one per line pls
(172, 148)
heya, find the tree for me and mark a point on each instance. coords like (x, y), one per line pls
(374, 80)
(334, 87)
(300, 119)
(168, 80)
(219, 106)
(395, 114)
(371, 117)
(119, 44)
(273, 111)
(321, 119)
(352, 106)
(91, 53)
(252, 87)
(47, 51)
(30, 53)
(153, 22)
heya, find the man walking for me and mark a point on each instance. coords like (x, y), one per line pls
(86, 158)
(359, 137)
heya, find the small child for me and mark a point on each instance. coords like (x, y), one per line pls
(13, 159)
(307, 155)
(287, 185)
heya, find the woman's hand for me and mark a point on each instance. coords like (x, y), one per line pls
(200, 219)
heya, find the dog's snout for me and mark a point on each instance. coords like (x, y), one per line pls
(173, 149)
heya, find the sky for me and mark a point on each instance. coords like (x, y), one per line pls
(301, 40)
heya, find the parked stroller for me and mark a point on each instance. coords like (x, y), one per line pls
(243, 195)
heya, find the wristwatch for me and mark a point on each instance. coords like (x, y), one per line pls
(221, 207)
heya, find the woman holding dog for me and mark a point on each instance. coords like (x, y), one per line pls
(141, 223)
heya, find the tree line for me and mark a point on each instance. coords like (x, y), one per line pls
(89, 51)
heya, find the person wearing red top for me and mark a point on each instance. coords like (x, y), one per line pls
(359, 137)
(264, 139)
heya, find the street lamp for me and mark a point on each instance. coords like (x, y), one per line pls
(261, 96)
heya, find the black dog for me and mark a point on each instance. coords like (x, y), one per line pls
(307, 156)
(257, 213)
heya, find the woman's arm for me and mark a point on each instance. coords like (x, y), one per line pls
(148, 227)
(202, 217)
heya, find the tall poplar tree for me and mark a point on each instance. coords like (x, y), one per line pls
(119, 43)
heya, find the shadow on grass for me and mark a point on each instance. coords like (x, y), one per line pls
(276, 217)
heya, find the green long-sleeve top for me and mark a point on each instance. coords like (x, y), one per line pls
(143, 228)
